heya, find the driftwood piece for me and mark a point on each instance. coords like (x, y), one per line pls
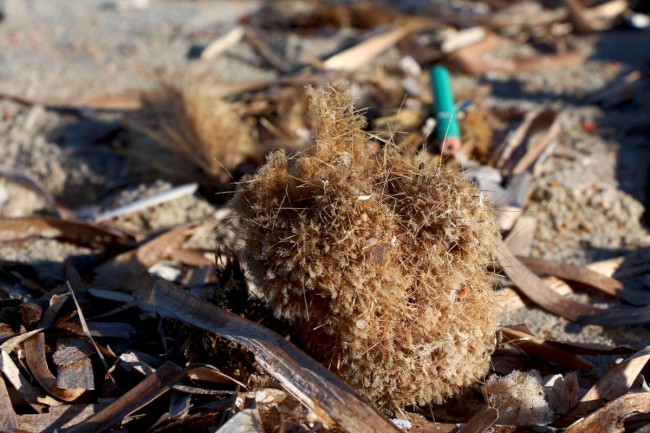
(311, 383)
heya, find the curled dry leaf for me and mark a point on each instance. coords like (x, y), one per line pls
(613, 384)
(35, 357)
(610, 418)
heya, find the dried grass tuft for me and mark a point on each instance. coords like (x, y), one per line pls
(205, 130)
(379, 260)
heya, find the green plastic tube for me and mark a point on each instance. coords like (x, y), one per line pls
(443, 105)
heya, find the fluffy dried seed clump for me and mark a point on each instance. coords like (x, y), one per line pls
(519, 397)
(380, 261)
(198, 127)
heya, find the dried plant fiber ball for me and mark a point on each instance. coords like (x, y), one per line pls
(519, 397)
(380, 261)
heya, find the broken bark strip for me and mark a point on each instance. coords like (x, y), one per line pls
(578, 274)
(307, 380)
(139, 396)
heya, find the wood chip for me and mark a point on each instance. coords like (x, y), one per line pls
(74, 368)
(218, 46)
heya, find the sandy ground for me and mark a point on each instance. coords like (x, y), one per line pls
(588, 199)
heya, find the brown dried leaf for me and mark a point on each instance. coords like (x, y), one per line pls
(579, 274)
(8, 420)
(35, 357)
(17, 380)
(136, 262)
(521, 337)
(613, 384)
(137, 397)
(78, 232)
(535, 289)
(578, 17)
(304, 378)
(475, 59)
(481, 421)
(620, 317)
